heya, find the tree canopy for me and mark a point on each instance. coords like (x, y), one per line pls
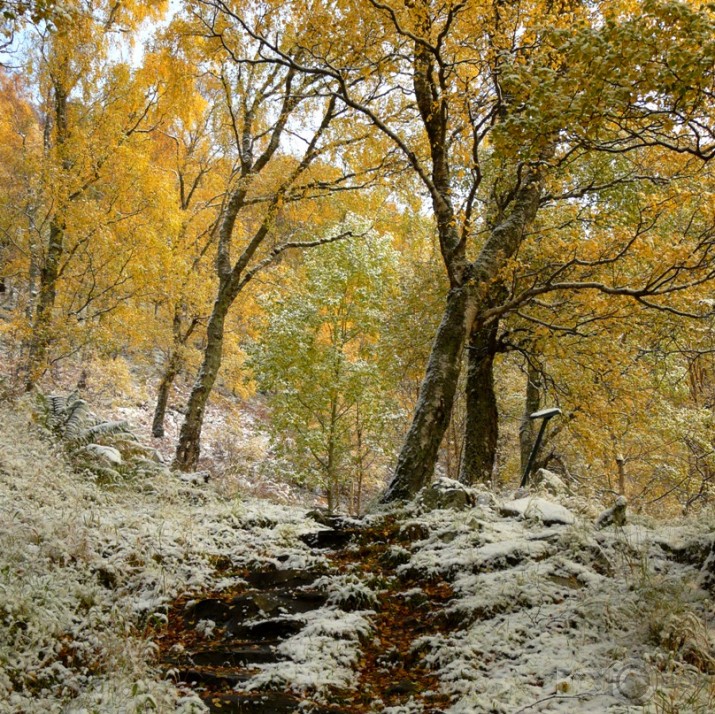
(542, 173)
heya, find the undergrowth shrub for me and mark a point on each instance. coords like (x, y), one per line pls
(108, 449)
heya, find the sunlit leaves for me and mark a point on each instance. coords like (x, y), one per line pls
(320, 358)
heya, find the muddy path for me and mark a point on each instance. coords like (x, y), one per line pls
(217, 643)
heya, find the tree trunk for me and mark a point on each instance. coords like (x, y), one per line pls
(174, 365)
(33, 273)
(531, 405)
(49, 273)
(333, 485)
(417, 459)
(188, 448)
(162, 397)
(416, 462)
(360, 462)
(621, 463)
(482, 423)
(42, 324)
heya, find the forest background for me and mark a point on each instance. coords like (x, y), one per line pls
(386, 232)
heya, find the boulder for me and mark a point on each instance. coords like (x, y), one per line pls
(486, 499)
(614, 516)
(108, 454)
(325, 518)
(329, 538)
(547, 512)
(548, 481)
(446, 493)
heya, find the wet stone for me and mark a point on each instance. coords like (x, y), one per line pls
(288, 578)
(211, 609)
(244, 607)
(273, 629)
(213, 677)
(236, 656)
(328, 538)
(274, 602)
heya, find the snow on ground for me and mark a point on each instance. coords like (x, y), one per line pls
(323, 655)
(85, 571)
(540, 508)
(559, 618)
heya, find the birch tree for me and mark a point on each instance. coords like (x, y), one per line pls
(499, 111)
(284, 124)
(323, 365)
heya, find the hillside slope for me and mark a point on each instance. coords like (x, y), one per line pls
(147, 594)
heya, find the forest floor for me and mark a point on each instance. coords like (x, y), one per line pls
(453, 612)
(157, 594)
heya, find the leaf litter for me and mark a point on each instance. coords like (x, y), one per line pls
(445, 611)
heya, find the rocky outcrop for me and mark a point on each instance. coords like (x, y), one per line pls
(548, 512)
(614, 516)
(445, 493)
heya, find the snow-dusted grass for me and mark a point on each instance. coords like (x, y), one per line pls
(321, 656)
(347, 592)
(86, 571)
(545, 619)
(562, 619)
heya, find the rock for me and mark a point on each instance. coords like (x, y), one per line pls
(274, 602)
(261, 703)
(244, 607)
(413, 531)
(197, 478)
(210, 609)
(446, 493)
(693, 552)
(548, 481)
(614, 516)
(212, 677)
(327, 538)
(238, 656)
(331, 520)
(486, 499)
(547, 512)
(274, 578)
(108, 454)
(264, 630)
(503, 555)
